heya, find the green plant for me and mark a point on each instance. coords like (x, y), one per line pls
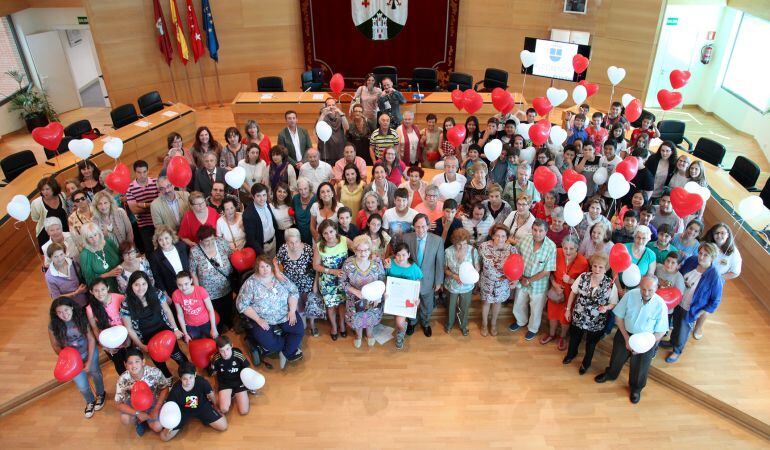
(30, 101)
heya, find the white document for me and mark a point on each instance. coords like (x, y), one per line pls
(142, 123)
(318, 96)
(383, 333)
(170, 114)
(401, 297)
(267, 96)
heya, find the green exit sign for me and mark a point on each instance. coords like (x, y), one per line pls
(672, 21)
(82, 20)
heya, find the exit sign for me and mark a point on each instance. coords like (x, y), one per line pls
(82, 20)
(672, 21)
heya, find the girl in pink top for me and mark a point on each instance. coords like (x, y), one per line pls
(194, 309)
(103, 311)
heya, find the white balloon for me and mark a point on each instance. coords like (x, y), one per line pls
(641, 342)
(493, 149)
(616, 74)
(558, 135)
(82, 148)
(19, 207)
(600, 176)
(577, 192)
(468, 273)
(439, 165)
(170, 415)
(252, 379)
(113, 337)
(527, 58)
(113, 148)
(523, 129)
(749, 207)
(236, 177)
(528, 154)
(450, 190)
(579, 94)
(573, 215)
(373, 291)
(696, 188)
(556, 96)
(323, 131)
(618, 185)
(632, 276)
(626, 99)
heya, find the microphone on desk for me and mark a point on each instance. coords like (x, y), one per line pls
(303, 92)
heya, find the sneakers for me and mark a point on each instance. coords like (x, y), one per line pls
(297, 356)
(514, 327)
(141, 427)
(400, 340)
(100, 401)
(89, 411)
(357, 342)
(315, 332)
(530, 335)
(371, 341)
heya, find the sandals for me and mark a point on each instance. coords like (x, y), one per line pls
(562, 344)
(546, 339)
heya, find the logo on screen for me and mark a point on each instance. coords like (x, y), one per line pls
(554, 53)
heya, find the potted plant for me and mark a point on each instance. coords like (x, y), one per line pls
(31, 102)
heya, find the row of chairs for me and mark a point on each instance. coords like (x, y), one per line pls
(123, 115)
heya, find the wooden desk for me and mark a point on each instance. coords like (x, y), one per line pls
(139, 142)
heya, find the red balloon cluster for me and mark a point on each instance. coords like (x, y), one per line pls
(679, 78)
(545, 180)
(580, 63)
(513, 267)
(628, 167)
(502, 100)
(201, 351)
(669, 99)
(161, 346)
(542, 105)
(591, 88)
(620, 259)
(49, 136)
(141, 396)
(458, 99)
(670, 295)
(634, 110)
(243, 260)
(179, 172)
(684, 202)
(337, 83)
(473, 101)
(68, 365)
(539, 132)
(456, 135)
(119, 180)
(570, 177)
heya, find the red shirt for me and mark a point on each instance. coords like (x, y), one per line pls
(638, 132)
(264, 149)
(579, 265)
(597, 135)
(188, 228)
(538, 210)
(193, 306)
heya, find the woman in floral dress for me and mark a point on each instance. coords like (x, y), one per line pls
(495, 288)
(357, 272)
(296, 260)
(330, 253)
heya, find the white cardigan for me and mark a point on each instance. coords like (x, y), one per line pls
(39, 213)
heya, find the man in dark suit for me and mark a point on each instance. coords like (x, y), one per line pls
(295, 138)
(205, 177)
(427, 249)
(259, 223)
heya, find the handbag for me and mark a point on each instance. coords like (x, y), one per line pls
(234, 278)
(554, 296)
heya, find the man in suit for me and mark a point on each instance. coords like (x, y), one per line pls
(205, 177)
(259, 223)
(170, 206)
(427, 249)
(295, 138)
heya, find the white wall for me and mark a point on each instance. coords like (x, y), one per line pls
(81, 59)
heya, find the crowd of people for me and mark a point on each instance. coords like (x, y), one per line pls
(157, 258)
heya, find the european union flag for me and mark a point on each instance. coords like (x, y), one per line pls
(211, 33)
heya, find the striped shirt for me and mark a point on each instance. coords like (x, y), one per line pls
(143, 194)
(537, 261)
(382, 142)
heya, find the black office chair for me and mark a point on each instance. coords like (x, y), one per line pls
(63, 148)
(638, 122)
(459, 80)
(764, 194)
(424, 79)
(381, 72)
(150, 103)
(745, 172)
(710, 151)
(270, 84)
(493, 78)
(673, 130)
(123, 115)
(77, 129)
(309, 81)
(13, 165)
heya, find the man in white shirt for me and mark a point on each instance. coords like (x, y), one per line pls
(398, 220)
(450, 175)
(170, 206)
(315, 170)
(259, 223)
(295, 138)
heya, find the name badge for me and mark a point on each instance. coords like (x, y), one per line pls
(386, 104)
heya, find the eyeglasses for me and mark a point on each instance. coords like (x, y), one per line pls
(78, 200)
(199, 204)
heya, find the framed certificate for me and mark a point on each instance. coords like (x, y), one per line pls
(401, 297)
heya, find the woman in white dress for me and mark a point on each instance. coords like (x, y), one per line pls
(230, 225)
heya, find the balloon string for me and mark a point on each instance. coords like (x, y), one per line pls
(522, 87)
(612, 94)
(19, 224)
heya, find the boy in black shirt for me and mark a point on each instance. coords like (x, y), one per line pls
(227, 364)
(195, 398)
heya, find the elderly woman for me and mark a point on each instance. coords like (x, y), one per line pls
(498, 208)
(302, 202)
(366, 96)
(591, 296)
(63, 276)
(82, 213)
(371, 204)
(641, 255)
(381, 185)
(210, 268)
(329, 256)
(112, 219)
(415, 185)
(357, 272)
(132, 261)
(409, 140)
(556, 229)
(592, 216)
(295, 261)
(53, 228)
(495, 288)
(703, 293)
(198, 215)
(476, 188)
(99, 257)
(168, 259)
(458, 253)
(544, 208)
(597, 241)
(230, 225)
(271, 307)
(520, 221)
(478, 223)
(569, 265)
(432, 206)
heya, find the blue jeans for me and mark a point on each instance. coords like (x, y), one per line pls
(200, 331)
(681, 331)
(81, 380)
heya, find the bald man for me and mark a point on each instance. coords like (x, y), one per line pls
(315, 170)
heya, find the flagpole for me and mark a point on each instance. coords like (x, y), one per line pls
(219, 87)
(203, 87)
(173, 84)
(189, 88)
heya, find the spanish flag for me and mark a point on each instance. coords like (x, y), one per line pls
(181, 41)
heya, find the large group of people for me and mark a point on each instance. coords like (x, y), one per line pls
(157, 258)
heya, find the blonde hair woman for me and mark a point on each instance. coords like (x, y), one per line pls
(100, 257)
(112, 219)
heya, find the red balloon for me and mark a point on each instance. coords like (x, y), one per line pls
(161, 346)
(243, 260)
(458, 99)
(433, 155)
(591, 88)
(671, 296)
(620, 260)
(545, 180)
(216, 317)
(201, 351)
(49, 136)
(141, 396)
(473, 101)
(68, 365)
(539, 132)
(542, 105)
(117, 182)
(498, 94)
(122, 169)
(456, 135)
(579, 63)
(679, 78)
(513, 267)
(685, 203)
(634, 110)
(179, 172)
(337, 83)
(628, 167)
(291, 211)
(570, 177)
(501, 100)
(509, 105)
(668, 99)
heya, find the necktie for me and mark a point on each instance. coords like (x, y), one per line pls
(211, 176)
(420, 250)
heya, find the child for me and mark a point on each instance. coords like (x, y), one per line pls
(158, 384)
(662, 246)
(609, 160)
(194, 309)
(669, 276)
(648, 127)
(596, 133)
(508, 131)
(577, 131)
(570, 116)
(404, 267)
(227, 365)
(646, 214)
(474, 151)
(195, 398)
(626, 233)
(615, 116)
(103, 311)
(347, 228)
(618, 136)
(446, 225)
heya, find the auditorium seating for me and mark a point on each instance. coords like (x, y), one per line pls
(459, 80)
(710, 151)
(150, 103)
(493, 78)
(673, 130)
